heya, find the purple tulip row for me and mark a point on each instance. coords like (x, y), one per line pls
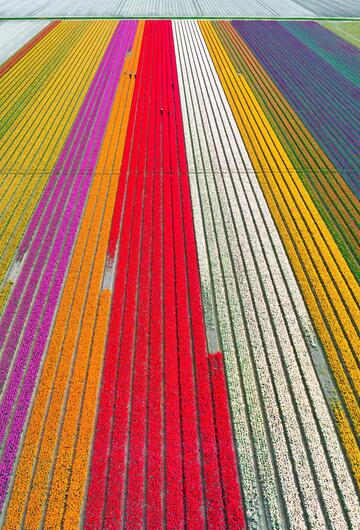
(328, 43)
(326, 101)
(35, 297)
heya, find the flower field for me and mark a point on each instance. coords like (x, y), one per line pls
(179, 274)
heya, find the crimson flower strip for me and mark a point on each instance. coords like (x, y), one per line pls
(227, 458)
(156, 458)
(53, 249)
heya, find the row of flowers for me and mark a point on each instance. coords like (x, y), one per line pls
(326, 282)
(32, 145)
(59, 396)
(277, 403)
(156, 298)
(47, 260)
(330, 193)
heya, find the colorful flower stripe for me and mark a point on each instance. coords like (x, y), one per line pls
(56, 196)
(314, 256)
(21, 90)
(4, 294)
(332, 116)
(31, 150)
(50, 267)
(332, 197)
(169, 190)
(72, 359)
(179, 445)
(341, 55)
(259, 313)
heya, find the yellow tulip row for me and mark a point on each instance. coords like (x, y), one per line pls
(60, 431)
(23, 75)
(4, 294)
(36, 107)
(327, 284)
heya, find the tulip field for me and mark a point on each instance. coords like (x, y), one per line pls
(179, 273)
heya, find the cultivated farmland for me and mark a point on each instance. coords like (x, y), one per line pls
(179, 273)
